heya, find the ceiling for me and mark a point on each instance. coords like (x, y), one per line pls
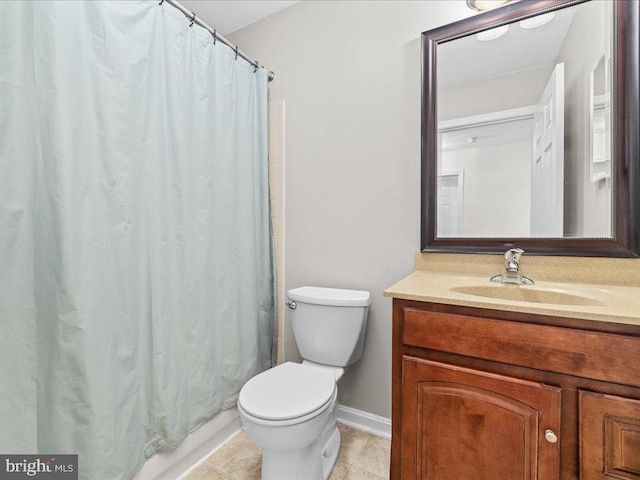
(518, 49)
(229, 16)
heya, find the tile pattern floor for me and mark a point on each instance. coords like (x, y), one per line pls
(362, 457)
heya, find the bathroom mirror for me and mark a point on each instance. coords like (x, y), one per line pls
(530, 130)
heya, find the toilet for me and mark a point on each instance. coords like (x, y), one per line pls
(291, 410)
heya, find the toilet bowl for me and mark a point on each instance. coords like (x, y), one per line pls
(290, 411)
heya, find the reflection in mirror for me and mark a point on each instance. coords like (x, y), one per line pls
(524, 128)
(600, 121)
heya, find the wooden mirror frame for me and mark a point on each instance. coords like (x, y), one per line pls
(625, 141)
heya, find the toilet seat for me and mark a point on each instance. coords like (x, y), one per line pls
(287, 392)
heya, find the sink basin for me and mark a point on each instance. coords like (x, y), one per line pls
(528, 294)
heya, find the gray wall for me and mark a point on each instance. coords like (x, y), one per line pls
(349, 73)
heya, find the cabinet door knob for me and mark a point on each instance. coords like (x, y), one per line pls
(551, 436)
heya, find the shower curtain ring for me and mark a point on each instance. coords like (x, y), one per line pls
(255, 67)
(215, 36)
(161, 2)
(236, 52)
(193, 19)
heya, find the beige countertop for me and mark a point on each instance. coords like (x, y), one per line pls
(591, 301)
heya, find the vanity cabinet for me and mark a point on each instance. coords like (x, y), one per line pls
(609, 436)
(485, 395)
(464, 423)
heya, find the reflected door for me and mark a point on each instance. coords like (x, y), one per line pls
(547, 171)
(450, 204)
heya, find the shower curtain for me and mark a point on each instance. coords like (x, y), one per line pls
(136, 279)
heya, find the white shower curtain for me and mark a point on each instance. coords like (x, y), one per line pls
(136, 279)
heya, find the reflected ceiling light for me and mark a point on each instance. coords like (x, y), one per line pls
(492, 34)
(482, 5)
(535, 22)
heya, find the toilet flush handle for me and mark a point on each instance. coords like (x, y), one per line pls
(292, 304)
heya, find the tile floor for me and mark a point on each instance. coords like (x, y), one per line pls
(362, 457)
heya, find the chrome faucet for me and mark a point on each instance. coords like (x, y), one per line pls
(511, 272)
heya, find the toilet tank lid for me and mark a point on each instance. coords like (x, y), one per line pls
(335, 297)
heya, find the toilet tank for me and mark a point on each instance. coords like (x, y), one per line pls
(329, 324)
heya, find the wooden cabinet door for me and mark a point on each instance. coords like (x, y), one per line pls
(609, 437)
(464, 424)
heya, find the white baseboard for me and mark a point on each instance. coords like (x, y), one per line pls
(194, 449)
(368, 422)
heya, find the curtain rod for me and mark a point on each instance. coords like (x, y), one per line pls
(216, 36)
